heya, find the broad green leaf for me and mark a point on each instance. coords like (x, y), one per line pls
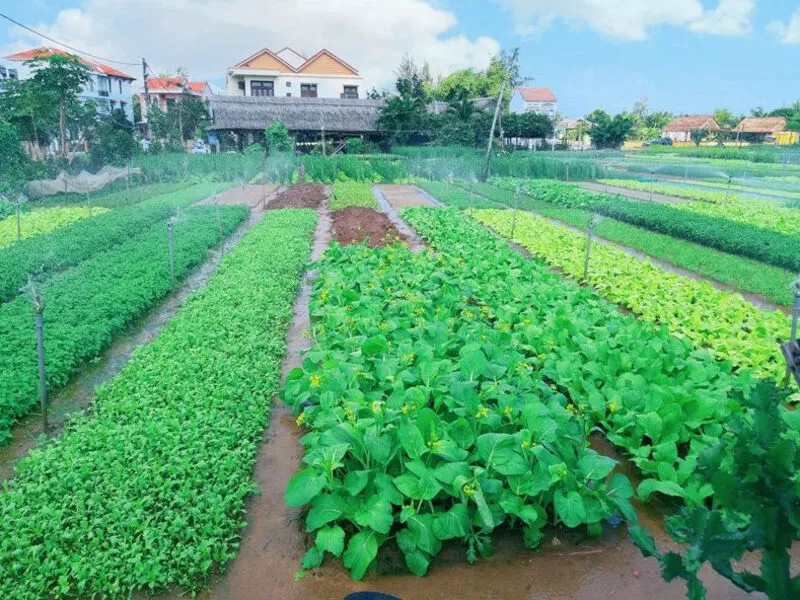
(499, 452)
(412, 441)
(324, 509)
(312, 558)
(361, 551)
(374, 345)
(331, 539)
(461, 433)
(376, 513)
(483, 509)
(595, 466)
(668, 488)
(473, 363)
(422, 528)
(455, 523)
(447, 472)
(620, 487)
(355, 481)
(304, 487)
(417, 562)
(385, 488)
(570, 508)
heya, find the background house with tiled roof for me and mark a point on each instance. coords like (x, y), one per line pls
(288, 73)
(168, 90)
(108, 88)
(539, 100)
(765, 129)
(680, 128)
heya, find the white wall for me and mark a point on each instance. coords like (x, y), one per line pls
(519, 106)
(327, 87)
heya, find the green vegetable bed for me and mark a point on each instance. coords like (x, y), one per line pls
(41, 221)
(352, 193)
(148, 490)
(46, 255)
(742, 239)
(732, 328)
(86, 306)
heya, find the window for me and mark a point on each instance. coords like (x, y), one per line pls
(308, 90)
(288, 84)
(288, 94)
(350, 91)
(91, 84)
(262, 88)
(3, 72)
(241, 85)
(170, 102)
(119, 81)
(12, 73)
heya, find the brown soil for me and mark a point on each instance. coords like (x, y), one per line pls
(301, 195)
(402, 196)
(247, 195)
(355, 224)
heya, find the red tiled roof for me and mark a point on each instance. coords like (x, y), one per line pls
(707, 122)
(95, 66)
(537, 94)
(174, 84)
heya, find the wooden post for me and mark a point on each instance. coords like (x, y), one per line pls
(38, 309)
(491, 133)
(170, 227)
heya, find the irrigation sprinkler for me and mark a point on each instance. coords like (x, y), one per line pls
(38, 310)
(652, 184)
(219, 219)
(514, 216)
(593, 222)
(170, 236)
(20, 201)
(567, 171)
(791, 349)
(728, 189)
(89, 203)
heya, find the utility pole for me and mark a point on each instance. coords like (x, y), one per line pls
(491, 132)
(324, 151)
(146, 106)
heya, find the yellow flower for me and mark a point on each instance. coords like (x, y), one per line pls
(301, 419)
(468, 314)
(409, 357)
(571, 409)
(324, 294)
(613, 407)
(376, 407)
(553, 387)
(526, 321)
(482, 413)
(315, 380)
(435, 444)
(525, 444)
(508, 412)
(404, 410)
(468, 489)
(384, 326)
(484, 309)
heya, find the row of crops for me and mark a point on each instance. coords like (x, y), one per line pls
(149, 489)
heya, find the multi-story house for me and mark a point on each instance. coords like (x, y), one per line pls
(107, 87)
(166, 91)
(539, 100)
(8, 70)
(288, 73)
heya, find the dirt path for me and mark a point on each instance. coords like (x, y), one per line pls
(247, 195)
(77, 396)
(633, 194)
(390, 209)
(404, 196)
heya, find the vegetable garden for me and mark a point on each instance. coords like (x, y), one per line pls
(488, 376)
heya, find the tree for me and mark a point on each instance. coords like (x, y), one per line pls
(725, 118)
(12, 157)
(32, 111)
(64, 75)
(758, 112)
(276, 138)
(698, 135)
(791, 114)
(658, 120)
(112, 140)
(608, 132)
(374, 94)
(528, 125)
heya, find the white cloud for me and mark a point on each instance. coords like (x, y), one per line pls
(207, 36)
(632, 20)
(788, 33)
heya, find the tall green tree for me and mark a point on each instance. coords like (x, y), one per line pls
(62, 75)
(12, 158)
(112, 141)
(698, 135)
(725, 118)
(609, 132)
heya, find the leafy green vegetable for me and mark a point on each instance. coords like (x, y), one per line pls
(41, 221)
(148, 490)
(352, 193)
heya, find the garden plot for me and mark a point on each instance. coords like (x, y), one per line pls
(301, 195)
(403, 196)
(247, 195)
(355, 224)
(646, 196)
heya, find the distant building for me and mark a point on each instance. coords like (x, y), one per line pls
(287, 73)
(574, 132)
(680, 128)
(539, 100)
(8, 70)
(771, 130)
(107, 87)
(166, 91)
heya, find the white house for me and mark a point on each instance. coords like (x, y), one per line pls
(8, 70)
(166, 91)
(287, 73)
(539, 100)
(107, 87)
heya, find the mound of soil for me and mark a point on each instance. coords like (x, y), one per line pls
(355, 224)
(301, 195)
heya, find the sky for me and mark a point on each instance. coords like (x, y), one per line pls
(684, 56)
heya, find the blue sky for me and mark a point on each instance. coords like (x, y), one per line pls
(686, 56)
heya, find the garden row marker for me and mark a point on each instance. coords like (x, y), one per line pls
(170, 227)
(514, 216)
(38, 309)
(593, 222)
(791, 349)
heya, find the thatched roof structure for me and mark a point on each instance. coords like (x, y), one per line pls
(761, 125)
(256, 113)
(685, 124)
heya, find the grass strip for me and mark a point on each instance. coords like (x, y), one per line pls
(88, 305)
(148, 491)
(46, 255)
(352, 193)
(455, 196)
(41, 221)
(747, 275)
(732, 328)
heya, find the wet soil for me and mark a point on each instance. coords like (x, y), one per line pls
(633, 194)
(403, 196)
(247, 195)
(356, 224)
(77, 397)
(300, 195)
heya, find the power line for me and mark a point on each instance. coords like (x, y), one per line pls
(119, 62)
